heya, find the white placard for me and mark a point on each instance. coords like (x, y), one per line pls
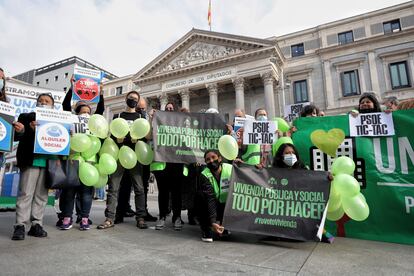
(259, 132)
(238, 126)
(292, 111)
(371, 124)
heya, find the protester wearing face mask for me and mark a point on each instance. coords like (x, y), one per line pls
(135, 174)
(170, 177)
(32, 196)
(211, 197)
(287, 157)
(81, 195)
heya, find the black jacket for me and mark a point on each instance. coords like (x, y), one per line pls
(26, 140)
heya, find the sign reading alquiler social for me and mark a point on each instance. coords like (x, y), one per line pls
(199, 79)
(52, 131)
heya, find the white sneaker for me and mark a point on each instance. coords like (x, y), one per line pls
(160, 224)
(178, 225)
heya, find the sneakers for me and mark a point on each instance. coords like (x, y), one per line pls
(141, 224)
(207, 236)
(160, 224)
(66, 223)
(178, 225)
(84, 224)
(18, 233)
(37, 231)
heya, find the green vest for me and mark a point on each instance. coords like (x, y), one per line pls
(222, 190)
(252, 155)
(160, 166)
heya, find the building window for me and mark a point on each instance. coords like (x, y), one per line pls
(399, 75)
(65, 89)
(300, 91)
(119, 90)
(345, 38)
(350, 83)
(66, 75)
(56, 78)
(392, 26)
(47, 81)
(38, 83)
(298, 50)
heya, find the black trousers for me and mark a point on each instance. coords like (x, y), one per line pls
(169, 181)
(202, 211)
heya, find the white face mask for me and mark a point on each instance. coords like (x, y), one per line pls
(290, 159)
(44, 106)
(262, 118)
(1, 84)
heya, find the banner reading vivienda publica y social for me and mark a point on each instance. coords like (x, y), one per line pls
(288, 203)
(184, 137)
(384, 169)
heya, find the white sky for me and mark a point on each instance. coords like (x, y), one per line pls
(122, 36)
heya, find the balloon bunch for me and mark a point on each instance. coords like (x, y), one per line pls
(345, 196)
(88, 147)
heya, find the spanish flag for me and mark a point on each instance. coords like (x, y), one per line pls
(209, 14)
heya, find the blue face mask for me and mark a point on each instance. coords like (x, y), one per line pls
(262, 118)
(1, 84)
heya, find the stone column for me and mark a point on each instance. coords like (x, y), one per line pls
(328, 85)
(185, 97)
(387, 78)
(373, 71)
(239, 88)
(410, 67)
(361, 74)
(212, 92)
(268, 81)
(163, 100)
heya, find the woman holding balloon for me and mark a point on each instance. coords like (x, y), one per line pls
(127, 164)
(83, 194)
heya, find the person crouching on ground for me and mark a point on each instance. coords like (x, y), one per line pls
(212, 195)
(33, 194)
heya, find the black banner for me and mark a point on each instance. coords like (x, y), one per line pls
(287, 203)
(184, 137)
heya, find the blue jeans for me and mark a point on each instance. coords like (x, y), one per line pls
(67, 200)
(100, 193)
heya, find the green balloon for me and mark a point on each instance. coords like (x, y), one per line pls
(109, 147)
(139, 128)
(98, 126)
(78, 157)
(119, 128)
(107, 164)
(80, 142)
(343, 164)
(279, 142)
(334, 200)
(127, 157)
(282, 125)
(346, 185)
(93, 149)
(356, 207)
(88, 174)
(103, 180)
(228, 147)
(144, 153)
(335, 215)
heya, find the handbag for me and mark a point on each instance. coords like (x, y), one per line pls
(62, 174)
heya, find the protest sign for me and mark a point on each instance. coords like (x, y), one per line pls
(24, 96)
(384, 169)
(277, 202)
(371, 124)
(238, 129)
(7, 115)
(80, 123)
(292, 111)
(184, 137)
(52, 131)
(86, 84)
(259, 132)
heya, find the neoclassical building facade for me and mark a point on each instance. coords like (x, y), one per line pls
(329, 65)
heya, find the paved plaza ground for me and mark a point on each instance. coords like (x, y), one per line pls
(126, 250)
